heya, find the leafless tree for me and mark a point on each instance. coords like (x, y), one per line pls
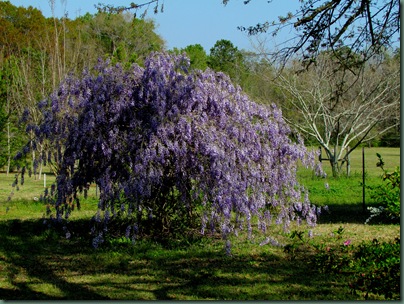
(338, 108)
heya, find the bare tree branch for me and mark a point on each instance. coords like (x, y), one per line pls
(365, 26)
(133, 6)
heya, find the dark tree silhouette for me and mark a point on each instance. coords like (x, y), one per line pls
(367, 27)
(145, 5)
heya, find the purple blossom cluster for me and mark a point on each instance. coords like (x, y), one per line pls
(139, 133)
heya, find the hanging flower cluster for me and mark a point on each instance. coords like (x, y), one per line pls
(164, 135)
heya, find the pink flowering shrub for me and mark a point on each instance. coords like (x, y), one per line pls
(164, 142)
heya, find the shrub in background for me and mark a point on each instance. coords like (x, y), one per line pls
(386, 195)
(390, 139)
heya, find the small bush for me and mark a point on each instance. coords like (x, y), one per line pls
(378, 269)
(372, 267)
(386, 195)
(369, 268)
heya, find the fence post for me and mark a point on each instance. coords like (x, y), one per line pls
(319, 155)
(363, 179)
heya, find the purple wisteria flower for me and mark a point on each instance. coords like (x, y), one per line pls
(145, 133)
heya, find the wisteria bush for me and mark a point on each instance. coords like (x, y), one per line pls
(164, 142)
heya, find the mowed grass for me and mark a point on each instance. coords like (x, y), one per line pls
(344, 195)
(40, 263)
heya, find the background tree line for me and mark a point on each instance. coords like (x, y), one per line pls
(36, 53)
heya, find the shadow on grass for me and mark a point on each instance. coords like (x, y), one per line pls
(29, 256)
(344, 213)
(32, 256)
(350, 214)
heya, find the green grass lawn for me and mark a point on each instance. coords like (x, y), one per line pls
(40, 263)
(344, 195)
(37, 263)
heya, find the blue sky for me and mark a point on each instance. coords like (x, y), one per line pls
(186, 22)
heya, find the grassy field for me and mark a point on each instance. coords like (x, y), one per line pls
(38, 263)
(344, 195)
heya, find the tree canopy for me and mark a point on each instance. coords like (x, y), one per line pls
(227, 58)
(197, 55)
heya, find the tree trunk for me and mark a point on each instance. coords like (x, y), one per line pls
(335, 167)
(8, 147)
